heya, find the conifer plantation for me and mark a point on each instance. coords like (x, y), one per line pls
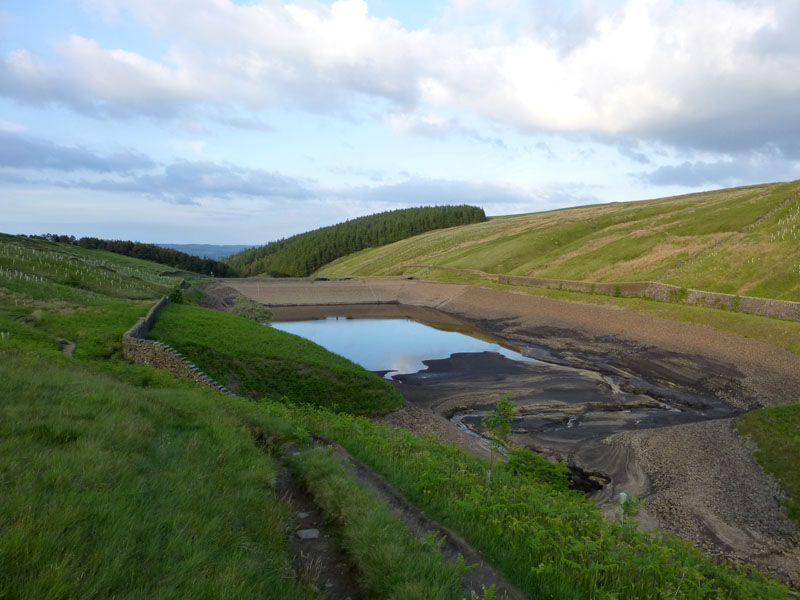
(301, 255)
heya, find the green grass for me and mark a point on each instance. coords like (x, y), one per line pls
(42, 270)
(716, 241)
(259, 361)
(392, 563)
(112, 490)
(122, 481)
(776, 432)
(550, 541)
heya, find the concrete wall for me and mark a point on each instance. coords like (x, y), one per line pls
(138, 349)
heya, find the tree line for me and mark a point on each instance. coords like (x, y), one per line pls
(152, 252)
(302, 254)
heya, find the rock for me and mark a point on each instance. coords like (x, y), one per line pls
(307, 534)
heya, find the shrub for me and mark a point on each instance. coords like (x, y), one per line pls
(176, 295)
(250, 309)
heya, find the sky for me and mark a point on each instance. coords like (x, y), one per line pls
(242, 122)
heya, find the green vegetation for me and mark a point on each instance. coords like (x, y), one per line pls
(152, 252)
(301, 255)
(113, 490)
(250, 309)
(40, 274)
(740, 241)
(776, 432)
(498, 427)
(549, 540)
(121, 481)
(258, 361)
(131, 485)
(392, 564)
(138, 485)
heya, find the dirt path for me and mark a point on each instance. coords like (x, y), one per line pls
(453, 545)
(318, 560)
(700, 479)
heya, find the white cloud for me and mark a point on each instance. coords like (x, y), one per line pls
(436, 126)
(701, 74)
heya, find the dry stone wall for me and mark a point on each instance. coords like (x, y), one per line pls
(138, 349)
(663, 292)
(767, 307)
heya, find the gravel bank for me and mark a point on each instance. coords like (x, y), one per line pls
(708, 489)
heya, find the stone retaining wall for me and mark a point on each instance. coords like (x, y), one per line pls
(138, 349)
(767, 307)
(663, 292)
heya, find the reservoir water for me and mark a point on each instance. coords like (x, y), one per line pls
(392, 345)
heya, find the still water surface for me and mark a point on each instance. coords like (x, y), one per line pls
(396, 345)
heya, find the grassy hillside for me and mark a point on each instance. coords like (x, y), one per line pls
(119, 480)
(302, 254)
(742, 241)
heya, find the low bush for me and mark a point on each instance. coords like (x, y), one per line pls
(250, 309)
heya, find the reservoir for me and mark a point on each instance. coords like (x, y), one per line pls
(391, 345)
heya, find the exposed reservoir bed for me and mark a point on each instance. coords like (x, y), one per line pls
(565, 406)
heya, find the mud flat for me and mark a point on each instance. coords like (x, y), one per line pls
(633, 403)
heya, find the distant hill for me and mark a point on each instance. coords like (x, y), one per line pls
(151, 252)
(301, 255)
(213, 251)
(742, 241)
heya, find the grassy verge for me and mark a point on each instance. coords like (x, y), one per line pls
(549, 540)
(392, 562)
(111, 490)
(258, 361)
(776, 432)
(778, 332)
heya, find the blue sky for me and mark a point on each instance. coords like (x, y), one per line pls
(242, 122)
